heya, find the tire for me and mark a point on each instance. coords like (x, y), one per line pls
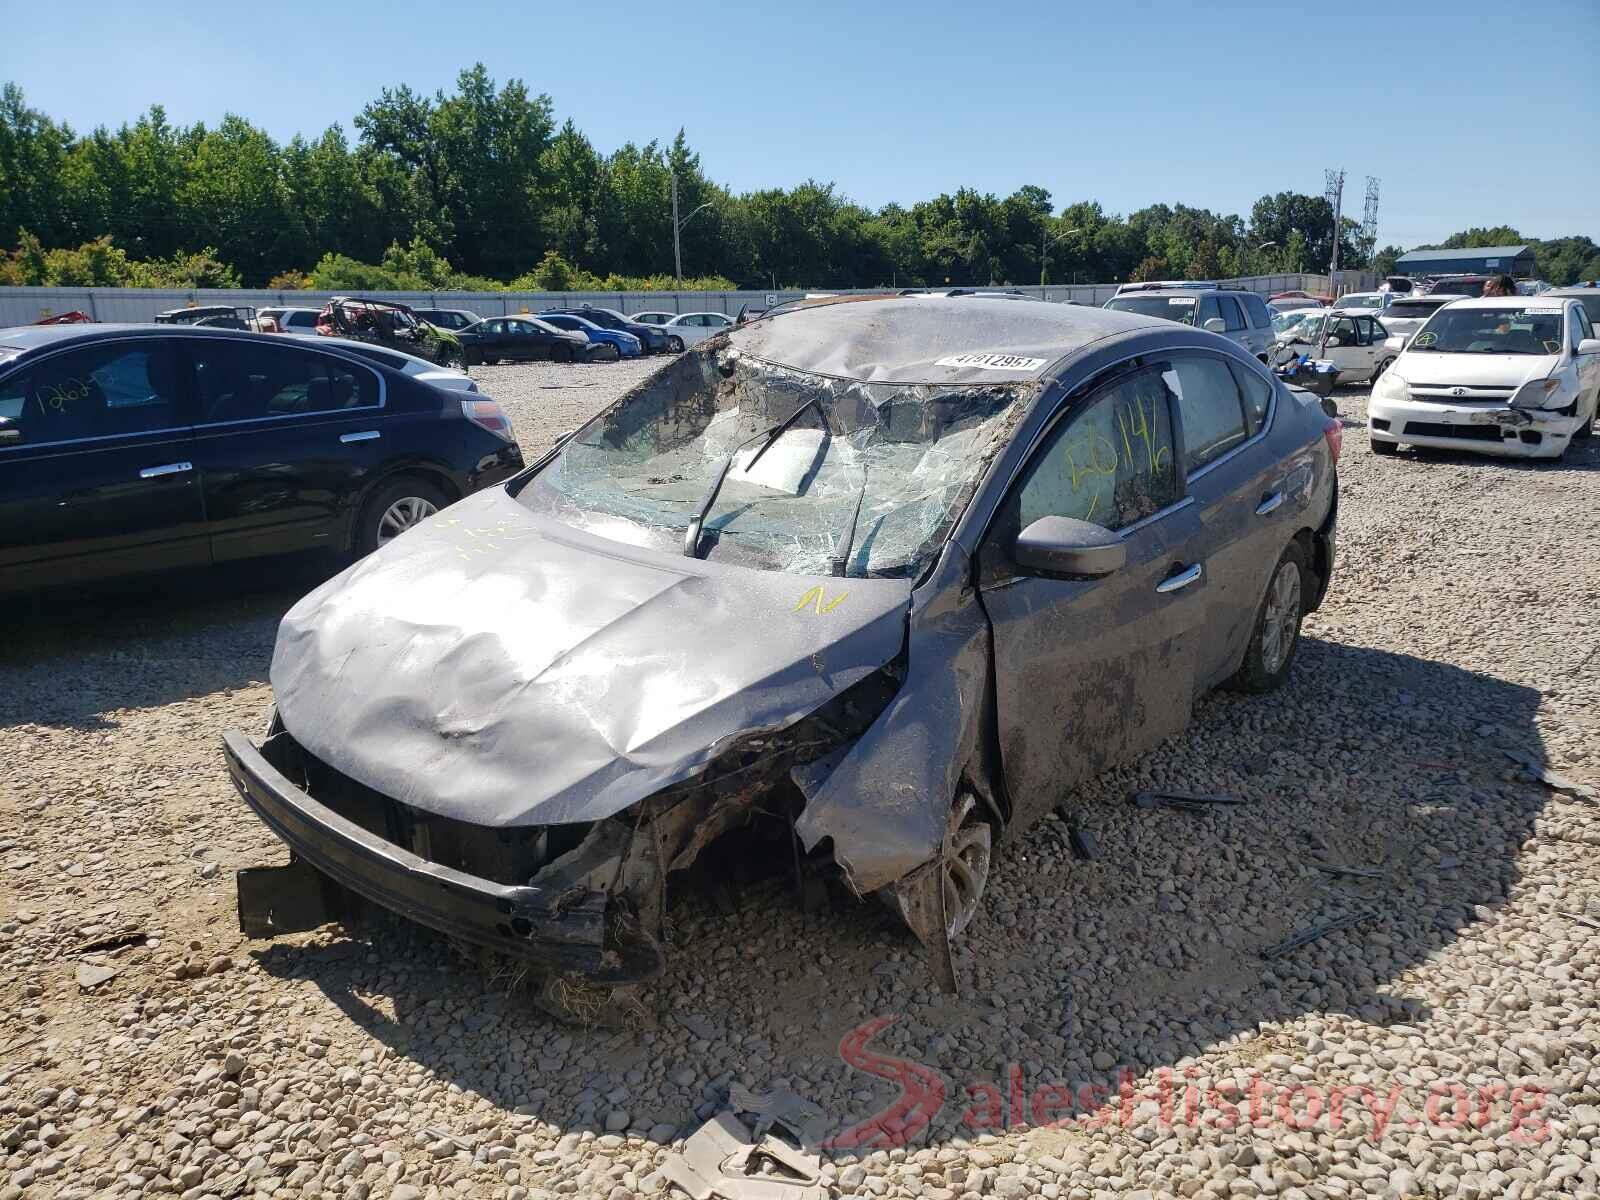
(1382, 367)
(395, 507)
(1276, 636)
(1585, 431)
(561, 354)
(1384, 449)
(607, 352)
(674, 345)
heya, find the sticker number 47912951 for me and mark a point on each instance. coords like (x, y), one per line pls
(991, 362)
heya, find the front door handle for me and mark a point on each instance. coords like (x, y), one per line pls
(1179, 579)
(1269, 504)
(166, 469)
(366, 435)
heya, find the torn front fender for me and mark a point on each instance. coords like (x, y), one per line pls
(886, 802)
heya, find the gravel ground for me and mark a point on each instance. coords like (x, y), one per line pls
(1459, 1021)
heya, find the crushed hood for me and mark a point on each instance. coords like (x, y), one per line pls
(500, 668)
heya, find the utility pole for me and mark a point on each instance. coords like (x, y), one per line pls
(1045, 245)
(677, 229)
(677, 244)
(1335, 194)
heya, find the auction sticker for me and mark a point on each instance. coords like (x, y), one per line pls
(991, 362)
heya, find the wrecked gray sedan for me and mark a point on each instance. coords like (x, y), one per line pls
(891, 575)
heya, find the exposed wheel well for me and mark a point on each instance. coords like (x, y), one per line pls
(427, 474)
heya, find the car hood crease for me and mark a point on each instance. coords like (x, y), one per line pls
(499, 668)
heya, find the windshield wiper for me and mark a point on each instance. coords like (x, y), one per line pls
(691, 535)
(839, 563)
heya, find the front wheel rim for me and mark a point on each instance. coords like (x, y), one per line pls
(1281, 621)
(405, 513)
(966, 866)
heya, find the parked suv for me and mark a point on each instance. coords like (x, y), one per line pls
(1241, 317)
(126, 449)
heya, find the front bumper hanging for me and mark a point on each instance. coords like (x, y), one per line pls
(572, 930)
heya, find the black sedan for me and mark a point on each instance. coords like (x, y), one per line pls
(129, 448)
(520, 339)
(884, 577)
(653, 338)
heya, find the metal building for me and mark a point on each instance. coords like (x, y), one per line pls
(1476, 260)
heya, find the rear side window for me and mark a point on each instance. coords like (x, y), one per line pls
(1256, 309)
(243, 381)
(1208, 400)
(107, 390)
(1111, 463)
(1232, 315)
(302, 320)
(1257, 393)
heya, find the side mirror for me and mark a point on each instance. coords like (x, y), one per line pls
(1589, 346)
(1215, 325)
(1397, 342)
(1067, 546)
(11, 433)
(1335, 341)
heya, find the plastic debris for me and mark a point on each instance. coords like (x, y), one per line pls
(722, 1159)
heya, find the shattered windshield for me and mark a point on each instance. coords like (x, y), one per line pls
(884, 468)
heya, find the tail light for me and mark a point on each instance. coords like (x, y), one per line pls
(1334, 432)
(488, 415)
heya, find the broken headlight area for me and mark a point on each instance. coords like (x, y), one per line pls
(582, 899)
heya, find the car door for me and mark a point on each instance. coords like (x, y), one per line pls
(97, 474)
(1341, 346)
(1588, 365)
(1092, 672)
(1238, 327)
(285, 439)
(1244, 494)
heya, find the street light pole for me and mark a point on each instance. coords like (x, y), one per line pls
(1044, 245)
(677, 229)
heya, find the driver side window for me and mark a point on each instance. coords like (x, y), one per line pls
(1110, 463)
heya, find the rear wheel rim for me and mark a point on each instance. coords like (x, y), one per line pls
(405, 513)
(1281, 620)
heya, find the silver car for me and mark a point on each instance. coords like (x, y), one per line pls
(1241, 317)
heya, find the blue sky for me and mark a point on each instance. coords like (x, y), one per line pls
(1470, 113)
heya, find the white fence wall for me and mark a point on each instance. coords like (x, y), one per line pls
(24, 306)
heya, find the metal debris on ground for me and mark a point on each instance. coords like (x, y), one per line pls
(722, 1159)
(1551, 779)
(1340, 869)
(1182, 801)
(115, 941)
(1306, 936)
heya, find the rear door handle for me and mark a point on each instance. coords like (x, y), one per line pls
(1179, 579)
(1269, 503)
(366, 435)
(166, 469)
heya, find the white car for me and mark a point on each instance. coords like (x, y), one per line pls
(1407, 314)
(1355, 341)
(1373, 300)
(687, 328)
(418, 368)
(289, 320)
(1507, 375)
